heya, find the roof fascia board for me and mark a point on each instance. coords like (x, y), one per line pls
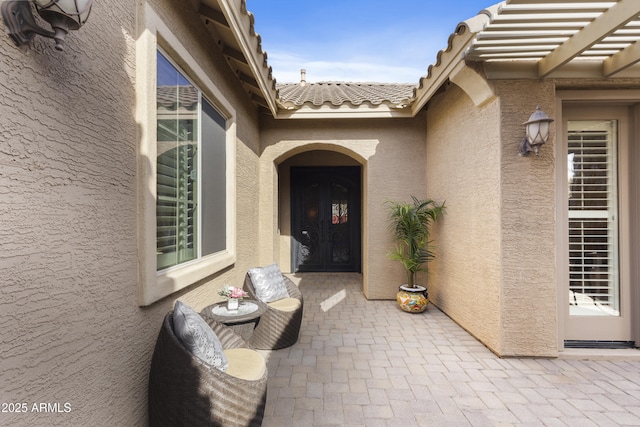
(619, 14)
(249, 48)
(345, 112)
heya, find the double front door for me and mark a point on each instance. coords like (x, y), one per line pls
(325, 219)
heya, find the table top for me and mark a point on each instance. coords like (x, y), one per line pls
(247, 310)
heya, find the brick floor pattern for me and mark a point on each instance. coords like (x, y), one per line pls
(366, 363)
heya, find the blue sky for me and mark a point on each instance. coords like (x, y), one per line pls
(357, 40)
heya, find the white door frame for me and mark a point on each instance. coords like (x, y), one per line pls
(628, 184)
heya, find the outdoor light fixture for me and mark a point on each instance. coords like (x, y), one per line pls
(62, 15)
(537, 128)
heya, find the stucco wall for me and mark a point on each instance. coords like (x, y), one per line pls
(463, 168)
(495, 272)
(71, 328)
(391, 153)
(529, 286)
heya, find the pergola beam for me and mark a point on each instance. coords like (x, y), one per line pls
(621, 60)
(605, 24)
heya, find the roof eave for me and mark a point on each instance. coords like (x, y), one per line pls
(240, 23)
(452, 58)
(345, 111)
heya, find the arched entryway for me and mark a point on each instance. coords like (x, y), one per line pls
(321, 212)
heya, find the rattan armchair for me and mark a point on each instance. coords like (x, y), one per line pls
(184, 391)
(276, 328)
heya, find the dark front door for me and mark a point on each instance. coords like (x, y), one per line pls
(325, 218)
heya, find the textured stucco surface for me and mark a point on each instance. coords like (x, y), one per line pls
(392, 155)
(463, 168)
(495, 273)
(529, 289)
(72, 331)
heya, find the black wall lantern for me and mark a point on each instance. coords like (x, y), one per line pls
(62, 15)
(538, 128)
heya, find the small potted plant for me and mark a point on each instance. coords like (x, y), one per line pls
(409, 223)
(233, 296)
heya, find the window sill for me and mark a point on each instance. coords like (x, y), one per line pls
(179, 277)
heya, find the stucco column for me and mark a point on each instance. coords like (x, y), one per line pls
(529, 321)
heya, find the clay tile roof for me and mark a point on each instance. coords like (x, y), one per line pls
(174, 97)
(338, 93)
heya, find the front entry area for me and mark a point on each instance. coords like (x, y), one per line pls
(325, 219)
(598, 144)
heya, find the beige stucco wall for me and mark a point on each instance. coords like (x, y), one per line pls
(391, 152)
(529, 287)
(463, 168)
(72, 331)
(495, 273)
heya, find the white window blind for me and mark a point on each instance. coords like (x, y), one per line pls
(593, 272)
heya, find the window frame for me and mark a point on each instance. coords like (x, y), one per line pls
(155, 36)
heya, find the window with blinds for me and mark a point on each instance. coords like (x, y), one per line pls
(190, 171)
(593, 270)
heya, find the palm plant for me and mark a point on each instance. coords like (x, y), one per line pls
(410, 223)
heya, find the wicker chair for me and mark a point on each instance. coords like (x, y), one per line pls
(183, 391)
(276, 328)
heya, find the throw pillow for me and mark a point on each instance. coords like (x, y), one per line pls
(268, 283)
(198, 337)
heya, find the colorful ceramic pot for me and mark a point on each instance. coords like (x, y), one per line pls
(412, 300)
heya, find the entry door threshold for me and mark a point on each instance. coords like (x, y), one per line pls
(599, 344)
(599, 353)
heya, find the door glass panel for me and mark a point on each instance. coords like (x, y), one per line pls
(311, 233)
(339, 227)
(592, 204)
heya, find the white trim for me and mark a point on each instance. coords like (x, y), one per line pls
(153, 285)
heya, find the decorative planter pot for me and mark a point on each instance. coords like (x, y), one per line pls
(412, 300)
(232, 303)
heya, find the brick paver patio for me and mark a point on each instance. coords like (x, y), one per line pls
(366, 363)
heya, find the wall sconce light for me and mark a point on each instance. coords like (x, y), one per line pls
(62, 15)
(537, 128)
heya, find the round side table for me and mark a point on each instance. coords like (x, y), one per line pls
(242, 321)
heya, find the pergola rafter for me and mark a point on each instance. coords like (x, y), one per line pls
(554, 33)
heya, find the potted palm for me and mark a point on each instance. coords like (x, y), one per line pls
(409, 223)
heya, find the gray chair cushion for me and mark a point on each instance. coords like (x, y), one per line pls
(198, 337)
(268, 283)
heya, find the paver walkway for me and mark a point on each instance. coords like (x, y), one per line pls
(366, 363)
